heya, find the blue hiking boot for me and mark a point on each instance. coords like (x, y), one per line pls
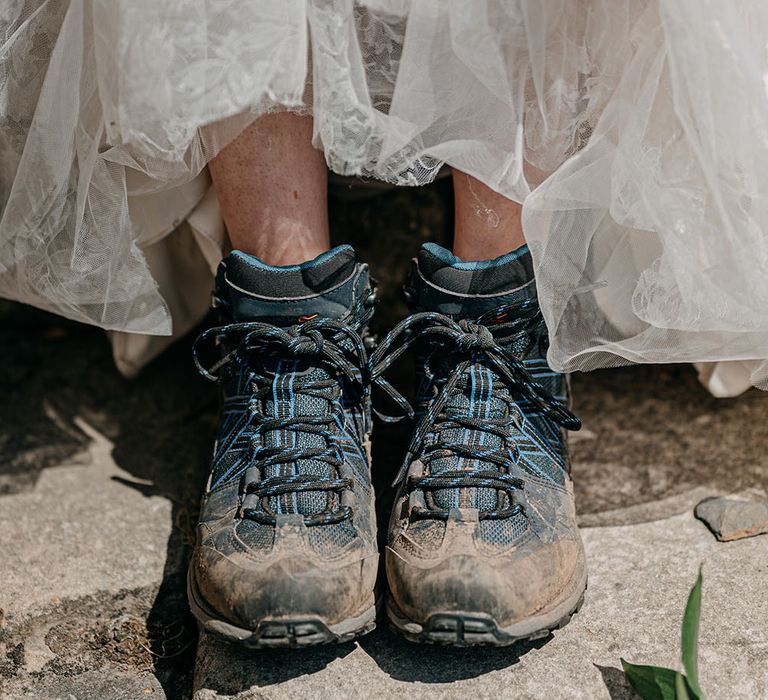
(286, 550)
(483, 546)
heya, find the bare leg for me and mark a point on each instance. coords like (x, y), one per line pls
(487, 223)
(272, 187)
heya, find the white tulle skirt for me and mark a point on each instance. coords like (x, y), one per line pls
(635, 133)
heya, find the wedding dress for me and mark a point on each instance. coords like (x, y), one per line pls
(634, 133)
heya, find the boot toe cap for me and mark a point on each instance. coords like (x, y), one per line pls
(509, 588)
(247, 592)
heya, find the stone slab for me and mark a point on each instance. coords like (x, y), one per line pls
(640, 576)
(84, 556)
(82, 529)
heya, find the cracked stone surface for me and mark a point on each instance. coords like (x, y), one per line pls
(100, 476)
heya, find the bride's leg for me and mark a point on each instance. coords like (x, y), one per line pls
(487, 223)
(272, 187)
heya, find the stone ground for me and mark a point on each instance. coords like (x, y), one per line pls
(99, 479)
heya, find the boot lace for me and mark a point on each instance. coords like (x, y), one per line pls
(467, 342)
(335, 346)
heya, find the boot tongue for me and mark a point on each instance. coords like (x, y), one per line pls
(287, 400)
(475, 400)
(327, 286)
(286, 295)
(466, 290)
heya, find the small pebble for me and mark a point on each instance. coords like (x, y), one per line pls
(733, 519)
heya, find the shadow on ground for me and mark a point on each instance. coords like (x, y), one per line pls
(653, 434)
(409, 662)
(399, 659)
(616, 683)
(246, 669)
(160, 425)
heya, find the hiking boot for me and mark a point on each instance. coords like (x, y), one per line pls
(286, 550)
(483, 546)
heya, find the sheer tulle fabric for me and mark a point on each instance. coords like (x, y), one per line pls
(635, 132)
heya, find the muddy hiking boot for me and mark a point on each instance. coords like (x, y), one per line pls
(483, 546)
(286, 550)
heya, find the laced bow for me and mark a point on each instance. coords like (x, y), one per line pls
(467, 341)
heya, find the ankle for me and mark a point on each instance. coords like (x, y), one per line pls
(286, 257)
(280, 247)
(484, 247)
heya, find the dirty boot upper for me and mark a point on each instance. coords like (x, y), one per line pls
(287, 525)
(484, 518)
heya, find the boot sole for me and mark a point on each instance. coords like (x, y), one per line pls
(464, 629)
(291, 632)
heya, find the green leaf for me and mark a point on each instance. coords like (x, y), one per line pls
(690, 637)
(650, 682)
(681, 687)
